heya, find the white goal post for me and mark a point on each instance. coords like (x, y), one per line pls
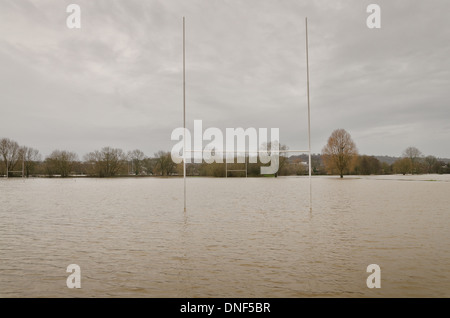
(308, 151)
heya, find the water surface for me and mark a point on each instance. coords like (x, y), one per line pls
(254, 237)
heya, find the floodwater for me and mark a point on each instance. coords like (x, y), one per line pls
(254, 237)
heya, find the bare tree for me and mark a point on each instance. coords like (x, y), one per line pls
(30, 157)
(282, 155)
(137, 160)
(10, 152)
(402, 166)
(149, 165)
(430, 163)
(340, 152)
(164, 163)
(60, 162)
(367, 165)
(414, 155)
(105, 163)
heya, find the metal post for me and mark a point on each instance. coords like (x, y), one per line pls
(246, 166)
(309, 115)
(184, 114)
(7, 172)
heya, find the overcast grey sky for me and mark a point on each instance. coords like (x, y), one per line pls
(117, 81)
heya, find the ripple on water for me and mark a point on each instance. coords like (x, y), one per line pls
(239, 237)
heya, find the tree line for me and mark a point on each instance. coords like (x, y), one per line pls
(16, 160)
(339, 157)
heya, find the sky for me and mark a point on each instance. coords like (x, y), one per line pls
(117, 81)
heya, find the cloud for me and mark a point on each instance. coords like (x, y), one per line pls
(117, 81)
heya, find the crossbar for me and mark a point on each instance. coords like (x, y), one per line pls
(271, 151)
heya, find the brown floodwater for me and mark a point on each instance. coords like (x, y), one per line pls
(254, 237)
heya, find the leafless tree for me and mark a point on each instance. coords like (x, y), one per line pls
(402, 166)
(367, 165)
(340, 152)
(415, 156)
(430, 163)
(149, 165)
(164, 163)
(60, 162)
(9, 150)
(137, 159)
(31, 157)
(105, 163)
(282, 156)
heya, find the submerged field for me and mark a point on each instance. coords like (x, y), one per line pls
(254, 237)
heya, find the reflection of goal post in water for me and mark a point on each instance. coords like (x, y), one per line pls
(245, 157)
